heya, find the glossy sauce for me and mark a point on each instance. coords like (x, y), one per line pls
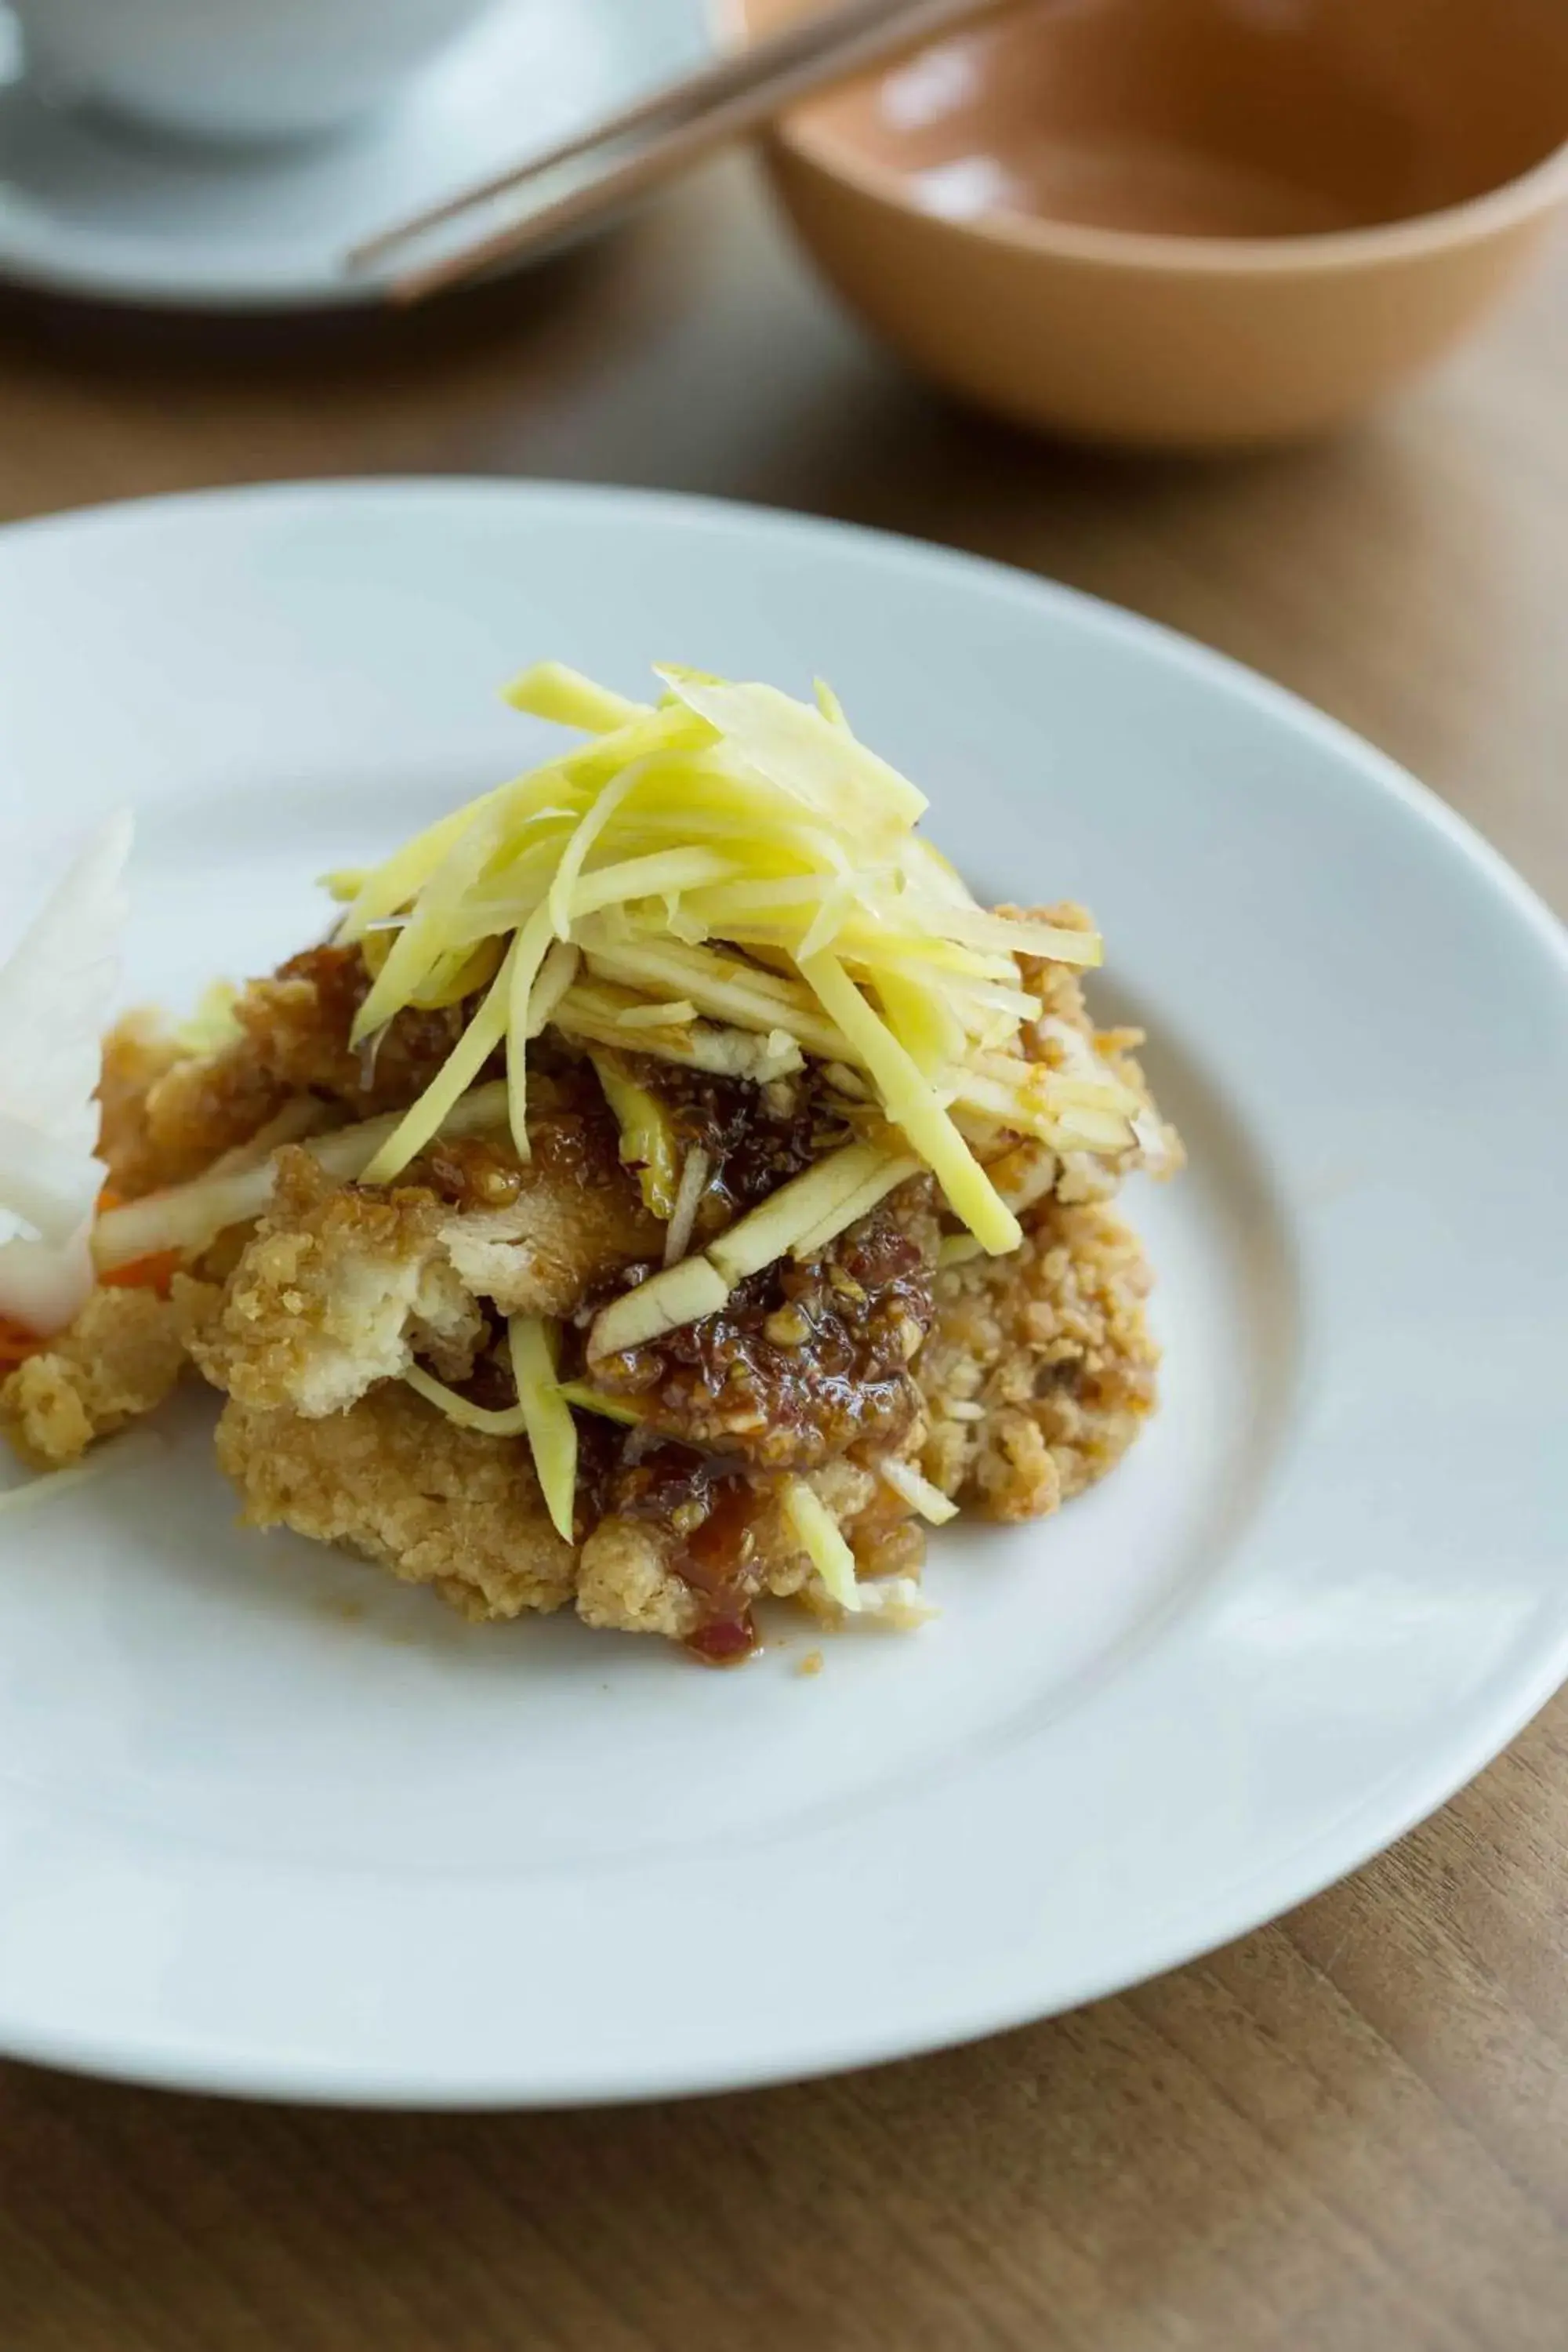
(707, 1507)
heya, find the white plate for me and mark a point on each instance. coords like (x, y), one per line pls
(268, 1822)
(90, 208)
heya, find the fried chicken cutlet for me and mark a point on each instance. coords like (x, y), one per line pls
(776, 1255)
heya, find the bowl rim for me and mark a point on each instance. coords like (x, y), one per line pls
(1529, 197)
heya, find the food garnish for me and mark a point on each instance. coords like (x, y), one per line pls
(56, 994)
(801, 913)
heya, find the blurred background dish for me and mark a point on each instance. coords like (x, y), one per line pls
(242, 69)
(1186, 223)
(90, 206)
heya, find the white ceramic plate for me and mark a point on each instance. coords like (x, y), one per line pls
(270, 1823)
(90, 208)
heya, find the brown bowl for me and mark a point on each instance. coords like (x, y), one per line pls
(1186, 224)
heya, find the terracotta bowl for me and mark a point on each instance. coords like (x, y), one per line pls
(1186, 224)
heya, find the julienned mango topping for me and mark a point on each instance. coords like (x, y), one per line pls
(729, 880)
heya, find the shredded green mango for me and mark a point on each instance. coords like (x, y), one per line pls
(649, 1142)
(551, 1432)
(726, 878)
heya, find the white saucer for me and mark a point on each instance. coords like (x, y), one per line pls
(90, 208)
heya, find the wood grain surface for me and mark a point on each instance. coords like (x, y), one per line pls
(1349, 2130)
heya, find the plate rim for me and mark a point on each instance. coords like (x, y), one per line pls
(1328, 1855)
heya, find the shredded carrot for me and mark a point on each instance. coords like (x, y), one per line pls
(16, 1342)
(154, 1272)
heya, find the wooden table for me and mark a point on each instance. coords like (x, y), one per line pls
(1352, 2129)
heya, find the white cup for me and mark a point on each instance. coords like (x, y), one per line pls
(236, 69)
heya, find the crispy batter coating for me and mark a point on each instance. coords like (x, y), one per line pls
(629, 1580)
(626, 1582)
(165, 1114)
(563, 1236)
(202, 1107)
(396, 1481)
(118, 1360)
(1040, 1370)
(535, 1236)
(338, 1289)
(296, 1028)
(1026, 1170)
(342, 1287)
(137, 1052)
(168, 1114)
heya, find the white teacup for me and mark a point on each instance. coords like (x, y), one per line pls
(236, 69)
